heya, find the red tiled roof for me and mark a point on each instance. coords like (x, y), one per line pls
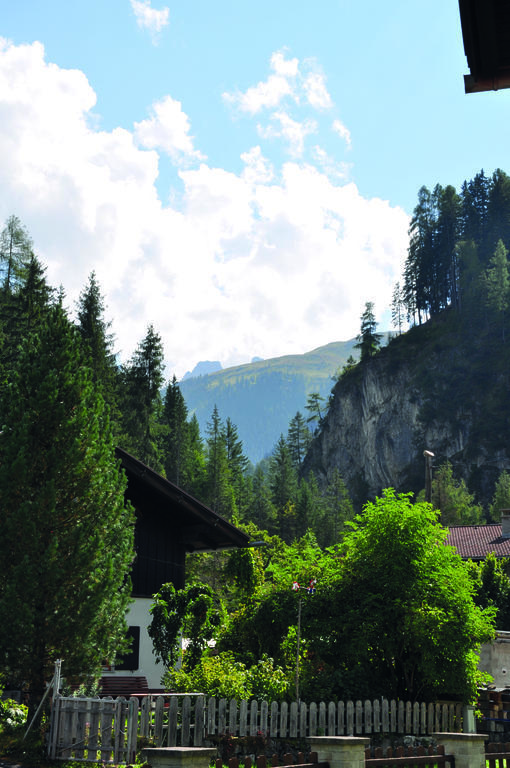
(476, 541)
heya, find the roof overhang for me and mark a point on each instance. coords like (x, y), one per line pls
(486, 34)
(200, 528)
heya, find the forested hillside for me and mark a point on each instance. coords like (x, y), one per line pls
(263, 396)
(443, 385)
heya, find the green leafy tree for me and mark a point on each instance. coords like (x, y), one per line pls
(453, 499)
(501, 498)
(67, 534)
(492, 587)
(192, 613)
(369, 341)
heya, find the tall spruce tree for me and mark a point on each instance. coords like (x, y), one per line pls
(176, 439)
(142, 379)
(95, 333)
(15, 252)
(298, 439)
(67, 534)
(219, 491)
(369, 341)
(284, 486)
(498, 284)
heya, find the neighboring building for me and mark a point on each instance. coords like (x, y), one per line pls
(169, 524)
(475, 542)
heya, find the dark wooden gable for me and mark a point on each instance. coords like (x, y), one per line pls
(169, 523)
(486, 36)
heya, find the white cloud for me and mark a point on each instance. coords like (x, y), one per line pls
(343, 132)
(168, 130)
(316, 92)
(264, 95)
(290, 90)
(293, 131)
(257, 168)
(149, 18)
(265, 262)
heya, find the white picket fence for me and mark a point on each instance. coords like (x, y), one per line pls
(99, 730)
(107, 729)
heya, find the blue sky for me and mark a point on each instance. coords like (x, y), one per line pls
(240, 175)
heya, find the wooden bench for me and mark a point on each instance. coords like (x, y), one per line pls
(120, 685)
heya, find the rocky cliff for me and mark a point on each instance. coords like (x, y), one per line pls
(426, 390)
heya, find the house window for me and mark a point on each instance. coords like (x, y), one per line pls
(131, 660)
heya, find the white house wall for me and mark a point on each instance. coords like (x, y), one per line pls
(139, 616)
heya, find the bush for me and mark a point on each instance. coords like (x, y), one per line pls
(224, 677)
(12, 715)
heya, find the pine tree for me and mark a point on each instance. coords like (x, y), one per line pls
(316, 409)
(142, 379)
(397, 308)
(176, 440)
(94, 331)
(298, 440)
(369, 341)
(283, 485)
(237, 464)
(67, 535)
(262, 511)
(498, 284)
(15, 253)
(338, 510)
(219, 492)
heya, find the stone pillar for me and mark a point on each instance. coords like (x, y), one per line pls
(468, 748)
(179, 757)
(340, 751)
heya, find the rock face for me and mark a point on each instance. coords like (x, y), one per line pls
(387, 410)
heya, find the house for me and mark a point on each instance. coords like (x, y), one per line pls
(169, 524)
(475, 542)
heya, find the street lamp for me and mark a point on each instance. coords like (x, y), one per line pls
(310, 590)
(428, 475)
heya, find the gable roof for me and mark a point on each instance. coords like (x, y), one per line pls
(200, 529)
(475, 542)
(486, 34)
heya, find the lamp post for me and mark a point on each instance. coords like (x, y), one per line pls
(310, 590)
(428, 475)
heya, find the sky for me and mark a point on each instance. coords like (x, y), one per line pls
(238, 175)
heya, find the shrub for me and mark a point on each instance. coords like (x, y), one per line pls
(224, 677)
(12, 714)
